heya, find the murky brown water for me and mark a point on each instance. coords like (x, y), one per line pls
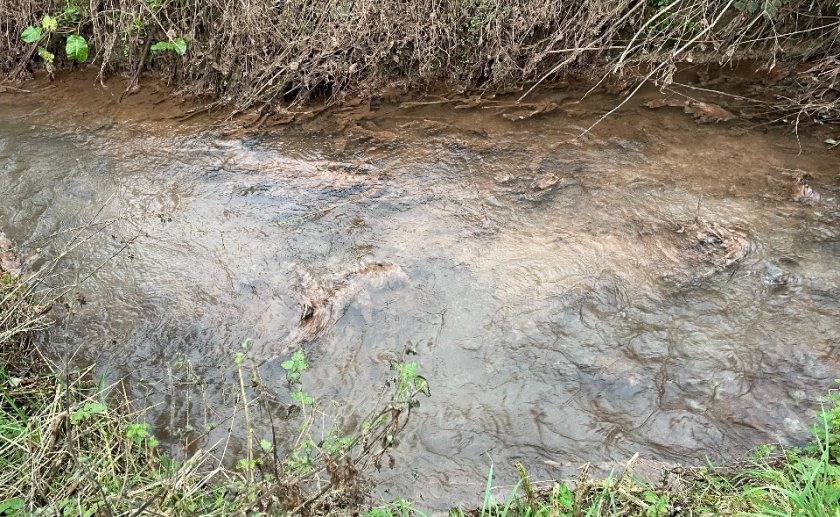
(562, 294)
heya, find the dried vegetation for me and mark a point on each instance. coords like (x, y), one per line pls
(267, 54)
(72, 446)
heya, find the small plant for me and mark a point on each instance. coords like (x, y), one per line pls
(397, 508)
(658, 504)
(335, 445)
(562, 499)
(87, 411)
(34, 34)
(295, 365)
(76, 46)
(300, 460)
(409, 382)
(140, 432)
(69, 21)
(177, 45)
(301, 397)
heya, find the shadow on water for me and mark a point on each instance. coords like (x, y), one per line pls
(655, 287)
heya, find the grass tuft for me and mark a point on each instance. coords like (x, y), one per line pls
(71, 446)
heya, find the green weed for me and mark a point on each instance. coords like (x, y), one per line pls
(70, 445)
(776, 482)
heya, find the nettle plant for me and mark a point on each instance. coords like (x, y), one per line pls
(327, 457)
(64, 24)
(67, 25)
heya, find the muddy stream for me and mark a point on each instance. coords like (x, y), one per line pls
(656, 286)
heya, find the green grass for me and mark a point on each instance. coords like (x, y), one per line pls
(70, 446)
(67, 450)
(776, 482)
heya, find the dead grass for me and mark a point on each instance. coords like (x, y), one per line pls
(267, 54)
(72, 446)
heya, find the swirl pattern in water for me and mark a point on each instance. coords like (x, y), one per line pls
(655, 286)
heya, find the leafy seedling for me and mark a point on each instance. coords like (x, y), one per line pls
(86, 411)
(77, 48)
(295, 365)
(31, 34)
(178, 45)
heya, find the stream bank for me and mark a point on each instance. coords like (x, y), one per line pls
(268, 55)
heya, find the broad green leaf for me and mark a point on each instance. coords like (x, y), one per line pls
(88, 409)
(266, 445)
(77, 48)
(31, 34)
(49, 23)
(179, 46)
(12, 506)
(422, 385)
(161, 46)
(70, 12)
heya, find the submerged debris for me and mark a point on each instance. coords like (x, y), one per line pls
(326, 301)
(778, 279)
(715, 244)
(663, 102)
(703, 112)
(707, 112)
(537, 109)
(9, 261)
(802, 191)
(545, 181)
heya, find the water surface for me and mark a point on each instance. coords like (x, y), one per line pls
(564, 296)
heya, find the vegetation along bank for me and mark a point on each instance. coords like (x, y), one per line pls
(268, 54)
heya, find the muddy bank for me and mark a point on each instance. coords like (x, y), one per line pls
(656, 286)
(267, 56)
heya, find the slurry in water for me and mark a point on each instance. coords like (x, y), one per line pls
(653, 287)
